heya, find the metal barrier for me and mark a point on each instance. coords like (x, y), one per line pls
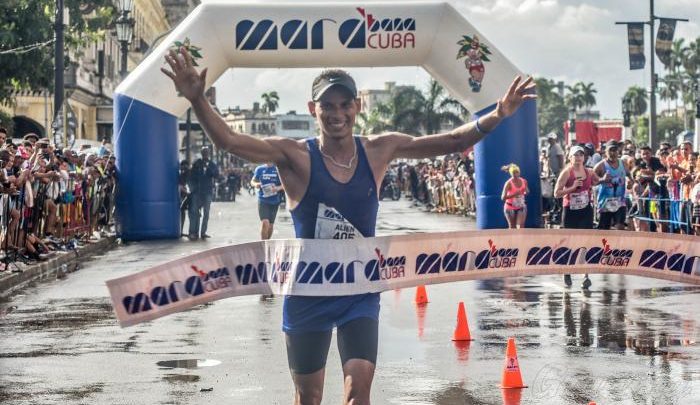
(78, 207)
(676, 213)
(451, 196)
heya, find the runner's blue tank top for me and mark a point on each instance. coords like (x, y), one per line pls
(615, 188)
(356, 202)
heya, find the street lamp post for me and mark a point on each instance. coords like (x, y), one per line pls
(58, 59)
(653, 138)
(626, 119)
(572, 126)
(696, 140)
(125, 31)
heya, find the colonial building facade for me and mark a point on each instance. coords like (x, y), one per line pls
(93, 73)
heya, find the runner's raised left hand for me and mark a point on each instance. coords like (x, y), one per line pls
(515, 96)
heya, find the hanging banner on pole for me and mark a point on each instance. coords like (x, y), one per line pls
(635, 38)
(664, 40)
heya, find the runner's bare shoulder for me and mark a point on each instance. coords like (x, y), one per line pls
(292, 149)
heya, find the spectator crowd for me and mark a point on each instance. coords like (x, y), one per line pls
(655, 190)
(441, 185)
(54, 200)
(51, 200)
(659, 190)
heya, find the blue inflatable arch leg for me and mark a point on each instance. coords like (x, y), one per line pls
(513, 141)
(146, 149)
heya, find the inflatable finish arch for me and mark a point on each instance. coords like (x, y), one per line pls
(428, 34)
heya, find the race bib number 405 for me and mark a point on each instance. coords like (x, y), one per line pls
(331, 225)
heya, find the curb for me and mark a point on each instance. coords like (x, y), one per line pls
(13, 282)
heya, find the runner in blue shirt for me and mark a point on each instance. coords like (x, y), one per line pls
(331, 183)
(267, 181)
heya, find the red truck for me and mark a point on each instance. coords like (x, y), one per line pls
(595, 132)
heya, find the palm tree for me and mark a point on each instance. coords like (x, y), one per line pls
(668, 92)
(547, 89)
(678, 55)
(371, 123)
(587, 94)
(552, 111)
(413, 112)
(691, 63)
(574, 98)
(638, 97)
(676, 81)
(270, 102)
(394, 111)
(410, 111)
(690, 75)
(440, 108)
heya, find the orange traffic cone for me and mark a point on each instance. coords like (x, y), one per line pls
(591, 403)
(421, 295)
(511, 371)
(462, 329)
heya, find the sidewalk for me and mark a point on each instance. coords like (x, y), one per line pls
(59, 264)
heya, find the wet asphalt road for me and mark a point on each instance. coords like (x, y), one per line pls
(628, 341)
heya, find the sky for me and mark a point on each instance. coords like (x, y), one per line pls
(564, 40)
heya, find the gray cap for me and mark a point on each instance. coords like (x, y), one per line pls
(575, 149)
(611, 144)
(336, 79)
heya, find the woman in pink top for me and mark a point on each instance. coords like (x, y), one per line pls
(514, 192)
(574, 184)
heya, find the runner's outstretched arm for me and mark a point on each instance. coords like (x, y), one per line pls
(461, 138)
(190, 84)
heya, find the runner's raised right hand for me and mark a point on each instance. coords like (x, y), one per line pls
(188, 82)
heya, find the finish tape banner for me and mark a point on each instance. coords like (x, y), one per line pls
(314, 267)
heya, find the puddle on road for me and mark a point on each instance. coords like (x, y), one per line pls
(178, 378)
(188, 363)
(58, 315)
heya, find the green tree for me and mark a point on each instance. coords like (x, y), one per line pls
(668, 128)
(691, 76)
(551, 108)
(668, 91)
(438, 108)
(588, 93)
(638, 96)
(412, 112)
(640, 131)
(691, 63)
(6, 122)
(678, 55)
(574, 98)
(398, 110)
(27, 22)
(682, 74)
(638, 102)
(270, 102)
(371, 123)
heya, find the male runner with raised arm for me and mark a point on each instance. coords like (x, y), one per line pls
(332, 185)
